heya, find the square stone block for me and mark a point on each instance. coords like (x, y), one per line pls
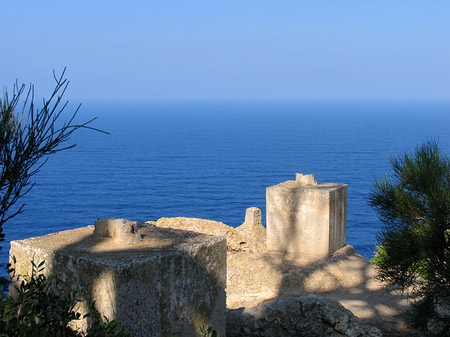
(155, 281)
(306, 219)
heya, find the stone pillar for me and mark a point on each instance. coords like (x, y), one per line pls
(155, 281)
(252, 231)
(253, 217)
(305, 218)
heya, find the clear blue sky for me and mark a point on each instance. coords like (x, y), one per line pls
(230, 49)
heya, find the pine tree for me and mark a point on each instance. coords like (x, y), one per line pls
(414, 245)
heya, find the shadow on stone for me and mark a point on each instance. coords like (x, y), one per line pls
(154, 281)
(307, 254)
(303, 316)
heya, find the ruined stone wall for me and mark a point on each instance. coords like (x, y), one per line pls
(155, 281)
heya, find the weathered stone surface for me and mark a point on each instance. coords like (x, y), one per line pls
(252, 231)
(121, 230)
(442, 307)
(304, 316)
(306, 219)
(305, 179)
(209, 227)
(252, 278)
(168, 282)
(248, 237)
(439, 325)
(175, 275)
(345, 276)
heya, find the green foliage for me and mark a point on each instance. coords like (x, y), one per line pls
(39, 309)
(208, 332)
(101, 327)
(414, 245)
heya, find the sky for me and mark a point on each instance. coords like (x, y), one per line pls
(229, 50)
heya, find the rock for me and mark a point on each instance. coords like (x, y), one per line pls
(250, 236)
(203, 226)
(442, 307)
(439, 325)
(304, 316)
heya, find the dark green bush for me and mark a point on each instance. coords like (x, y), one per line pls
(38, 309)
(414, 246)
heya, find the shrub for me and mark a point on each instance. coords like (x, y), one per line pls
(414, 245)
(38, 309)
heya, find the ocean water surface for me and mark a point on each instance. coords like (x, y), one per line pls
(213, 160)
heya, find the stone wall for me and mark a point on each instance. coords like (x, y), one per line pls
(155, 281)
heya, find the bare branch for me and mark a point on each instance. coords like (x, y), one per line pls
(28, 137)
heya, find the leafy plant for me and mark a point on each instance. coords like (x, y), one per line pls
(101, 327)
(39, 309)
(208, 332)
(414, 245)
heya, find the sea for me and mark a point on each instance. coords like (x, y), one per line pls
(214, 159)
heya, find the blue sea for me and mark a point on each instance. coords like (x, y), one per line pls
(213, 160)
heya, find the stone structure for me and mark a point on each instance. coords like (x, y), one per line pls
(155, 281)
(305, 218)
(255, 277)
(169, 276)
